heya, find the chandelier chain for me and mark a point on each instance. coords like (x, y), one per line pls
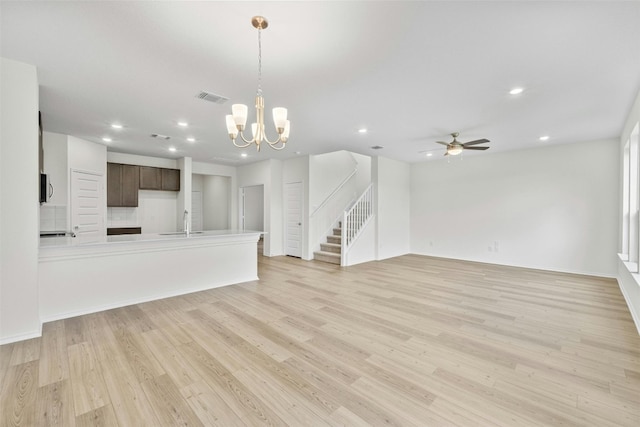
(260, 61)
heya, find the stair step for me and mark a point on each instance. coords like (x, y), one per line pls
(331, 247)
(334, 239)
(337, 231)
(329, 257)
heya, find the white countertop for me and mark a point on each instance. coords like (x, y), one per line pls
(88, 241)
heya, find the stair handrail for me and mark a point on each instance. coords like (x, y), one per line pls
(334, 192)
(362, 212)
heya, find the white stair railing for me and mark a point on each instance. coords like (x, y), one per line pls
(329, 212)
(355, 219)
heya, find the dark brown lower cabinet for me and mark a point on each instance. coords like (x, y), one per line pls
(114, 231)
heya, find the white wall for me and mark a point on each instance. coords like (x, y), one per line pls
(326, 172)
(230, 173)
(19, 202)
(157, 212)
(133, 159)
(185, 165)
(254, 207)
(269, 174)
(552, 208)
(53, 214)
(363, 177)
(55, 165)
(392, 200)
(87, 156)
(216, 199)
(276, 212)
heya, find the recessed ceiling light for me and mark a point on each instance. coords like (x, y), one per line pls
(544, 138)
(106, 139)
(298, 152)
(191, 139)
(116, 125)
(172, 149)
(516, 91)
(183, 124)
(429, 154)
(362, 130)
(243, 155)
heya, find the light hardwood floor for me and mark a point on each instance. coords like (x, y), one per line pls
(408, 341)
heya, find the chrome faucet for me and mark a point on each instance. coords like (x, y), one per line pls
(185, 219)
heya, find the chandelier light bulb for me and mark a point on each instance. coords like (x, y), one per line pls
(279, 118)
(231, 127)
(240, 112)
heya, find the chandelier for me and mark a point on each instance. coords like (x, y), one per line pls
(237, 120)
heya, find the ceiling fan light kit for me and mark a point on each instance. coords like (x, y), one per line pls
(237, 121)
(454, 147)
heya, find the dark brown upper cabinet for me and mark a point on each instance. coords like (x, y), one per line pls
(122, 185)
(171, 179)
(152, 178)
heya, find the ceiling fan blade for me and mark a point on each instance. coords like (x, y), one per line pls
(477, 141)
(443, 143)
(476, 148)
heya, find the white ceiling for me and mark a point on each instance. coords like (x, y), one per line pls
(410, 72)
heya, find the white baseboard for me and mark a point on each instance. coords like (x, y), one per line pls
(21, 337)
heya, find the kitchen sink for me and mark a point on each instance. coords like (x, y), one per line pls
(177, 233)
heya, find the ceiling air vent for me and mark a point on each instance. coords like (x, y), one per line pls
(377, 147)
(157, 135)
(212, 97)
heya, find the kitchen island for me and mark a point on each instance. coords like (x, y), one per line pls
(87, 274)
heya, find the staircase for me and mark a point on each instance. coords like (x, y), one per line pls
(331, 251)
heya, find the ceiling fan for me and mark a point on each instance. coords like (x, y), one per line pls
(454, 147)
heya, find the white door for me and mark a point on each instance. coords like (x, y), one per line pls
(196, 211)
(293, 227)
(87, 204)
